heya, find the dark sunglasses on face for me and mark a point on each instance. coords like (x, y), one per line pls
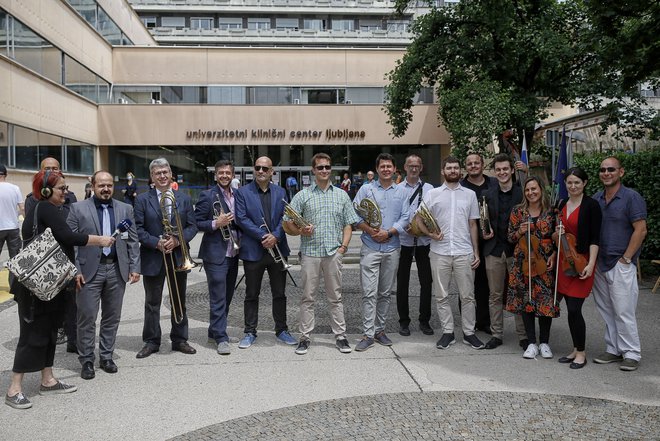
(63, 188)
(608, 169)
(261, 168)
(323, 167)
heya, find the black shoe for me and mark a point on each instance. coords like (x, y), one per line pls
(524, 343)
(493, 343)
(445, 341)
(425, 328)
(109, 366)
(146, 351)
(485, 329)
(71, 348)
(575, 365)
(404, 331)
(566, 359)
(87, 371)
(183, 347)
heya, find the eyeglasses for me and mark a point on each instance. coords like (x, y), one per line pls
(261, 168)
(608, 169)
(63, 188)
(323, 167)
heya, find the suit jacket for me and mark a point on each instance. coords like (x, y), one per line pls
(149, 223)
(249, 216)
(493, 202)
(213, 247)
(83, 218)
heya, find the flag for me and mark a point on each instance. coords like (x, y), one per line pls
(523, 153)
(562, 166)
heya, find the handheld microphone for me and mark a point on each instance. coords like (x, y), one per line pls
(122, 227)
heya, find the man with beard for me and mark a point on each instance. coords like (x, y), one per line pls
(102, 272)
(454, 251)
(217, 252)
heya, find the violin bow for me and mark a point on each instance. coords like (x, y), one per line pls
(529, 255)
(558, 252)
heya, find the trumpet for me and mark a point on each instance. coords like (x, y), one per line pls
(227, 234)
(296, 217)
(428, 220)
(484, 219)
(168, 199)
(275, 252)
(368, 210)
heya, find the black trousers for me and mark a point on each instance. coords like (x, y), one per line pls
(481, 294)
(153, 289)
(421, 254)
(254, 273)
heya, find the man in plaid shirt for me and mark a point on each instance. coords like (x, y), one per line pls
(323, 244)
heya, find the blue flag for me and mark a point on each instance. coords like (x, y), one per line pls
(562, 166)
(523, 153)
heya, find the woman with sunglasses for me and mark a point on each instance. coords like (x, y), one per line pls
(534, 217)
(580, 217)
(40, 320)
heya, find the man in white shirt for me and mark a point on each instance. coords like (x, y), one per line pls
(454, 251)
(11, 206)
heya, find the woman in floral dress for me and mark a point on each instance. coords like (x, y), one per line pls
(534, 212)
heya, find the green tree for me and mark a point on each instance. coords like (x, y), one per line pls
(498, 64)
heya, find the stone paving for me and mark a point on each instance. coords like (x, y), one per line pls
(445, 416)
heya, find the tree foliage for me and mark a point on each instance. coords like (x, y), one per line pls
(498, 64)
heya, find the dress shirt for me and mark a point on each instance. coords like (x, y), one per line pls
(99, 211)
(406, 239)
(393, 206)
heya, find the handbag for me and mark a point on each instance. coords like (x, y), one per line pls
(41, 266)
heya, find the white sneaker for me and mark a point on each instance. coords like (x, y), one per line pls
(532, 351)
(545, 350)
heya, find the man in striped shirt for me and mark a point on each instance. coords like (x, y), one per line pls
(323, 244)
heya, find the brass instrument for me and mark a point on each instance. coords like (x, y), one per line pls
(427, 218)
(484, 219)
(369, 211)
(275, 252)
(187, 264)
(227, 234)
(296, 217)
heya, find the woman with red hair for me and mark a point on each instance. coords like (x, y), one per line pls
(40, 320)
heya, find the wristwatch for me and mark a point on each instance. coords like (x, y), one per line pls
(389, 234)
(626, 259)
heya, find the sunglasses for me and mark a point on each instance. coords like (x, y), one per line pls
(261, 168)
(608, 169)
(323, 167)
(63, 188)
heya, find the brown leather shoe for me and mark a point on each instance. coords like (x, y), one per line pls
(183, 347)
(146, 351)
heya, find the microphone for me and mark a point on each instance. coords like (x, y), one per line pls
(122, 227)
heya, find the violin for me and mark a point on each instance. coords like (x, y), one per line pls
(533, 263)
(572, 262)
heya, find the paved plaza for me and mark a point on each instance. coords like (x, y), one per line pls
(408, 391)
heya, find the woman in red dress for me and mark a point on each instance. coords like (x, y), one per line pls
(580, 216)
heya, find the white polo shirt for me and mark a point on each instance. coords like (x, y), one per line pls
(10, 197)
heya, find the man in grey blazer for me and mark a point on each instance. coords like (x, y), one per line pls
(102, 272)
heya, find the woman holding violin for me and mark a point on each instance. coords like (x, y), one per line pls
(577, 237)
(531, 277)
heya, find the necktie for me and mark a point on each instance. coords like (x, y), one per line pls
(106, 227)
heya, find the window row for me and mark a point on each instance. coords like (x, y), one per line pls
(281, 24)
(25, 149)
(26, 47)
(96, 16)
(255, 95)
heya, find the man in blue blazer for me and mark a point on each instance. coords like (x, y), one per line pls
(219, 254)
(154, 245)
(258, 203)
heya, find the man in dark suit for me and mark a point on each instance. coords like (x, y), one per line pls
(498, 250)
(102, 272)
(257, 203)
(219, 255)
(157, 247)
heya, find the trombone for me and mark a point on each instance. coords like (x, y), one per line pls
(168, 200)
(227, 234)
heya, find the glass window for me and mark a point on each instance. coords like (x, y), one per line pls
(108, 28)
(201, 23)
(80, 79)
(424, 96)
(50, 146)
(149, 22)
(286, 24)
(28, 153)
(79, 157)
(86, 8)
(398, 25)
(269, 95)
(4, 142)
(343, 25)
(324, 96)
(365, 95)
(172, 94)
(226, 95)
(314, 24)
(370, 25)
(125, 41)
(230, 23)
(173, 22)
(3, 32)
(258, 23)
(35, 53)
